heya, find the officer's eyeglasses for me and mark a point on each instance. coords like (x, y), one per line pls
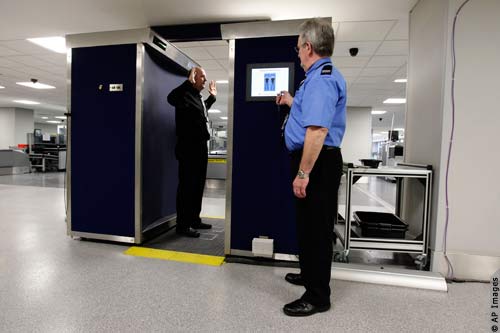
(297, 48)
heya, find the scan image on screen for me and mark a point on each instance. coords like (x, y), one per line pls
(265, 81)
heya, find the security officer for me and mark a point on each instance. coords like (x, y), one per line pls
(191, 119)
(313, 133)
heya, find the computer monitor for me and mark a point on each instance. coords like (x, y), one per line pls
(266, 80)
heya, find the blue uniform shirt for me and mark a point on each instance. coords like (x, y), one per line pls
(320, 101)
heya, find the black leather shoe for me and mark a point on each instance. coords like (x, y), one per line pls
(189, 232)
(301, 308)
(294, 279)
(202, 225)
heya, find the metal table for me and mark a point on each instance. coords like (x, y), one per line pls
(419, 246)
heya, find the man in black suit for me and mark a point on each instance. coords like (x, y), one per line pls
(191, 119)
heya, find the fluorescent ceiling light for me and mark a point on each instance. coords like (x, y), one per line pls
(2, 87)
(223, 118)
(56, 44)
(60, 117)
(399, 129)
(35, 85)
(24, 101)
(395, 101)
(222, 81)
(401, 80)
(45, 117)
(214, 111)
(378, 112)
(53, 121)
(384, 133)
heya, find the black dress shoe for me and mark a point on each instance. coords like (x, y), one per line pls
(202, 225)
(301, 308)
(189, 232)
(294, 279)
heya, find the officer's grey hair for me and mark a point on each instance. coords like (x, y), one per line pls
(319, 33)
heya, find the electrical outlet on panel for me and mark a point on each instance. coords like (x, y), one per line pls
(263, 247)
(116, 87)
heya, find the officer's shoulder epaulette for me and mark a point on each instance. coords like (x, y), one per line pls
(326, 70)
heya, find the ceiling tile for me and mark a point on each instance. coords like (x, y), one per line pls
(393, 47)
(219, 52)
(209, 65)
(197, 53)
(365, 49)
(25, 47)
(363, 31)
(214, 43)
(350, 61)
(182, 45)
(378, 71)
(5, 51)
(399, 31)
(387, 61)
(350, 71)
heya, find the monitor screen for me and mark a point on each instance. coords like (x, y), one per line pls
(265, 81)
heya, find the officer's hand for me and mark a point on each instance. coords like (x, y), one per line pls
(192, 74)
(299, 187)
(284, 98)
(212, 88)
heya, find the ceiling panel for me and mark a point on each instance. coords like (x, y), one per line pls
(363, 31)
(378, 71)
(400, 31)
(210, 65)
(25, 47)
(366, 49)
(197, 53)
(4, 51)
(214, 43)
(387, 61)
(219, 52)
(393, 47)
(350, 61)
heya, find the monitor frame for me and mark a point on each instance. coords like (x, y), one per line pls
(291, 76)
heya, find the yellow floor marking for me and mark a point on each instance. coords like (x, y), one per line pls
(193, 258)
(213, 217)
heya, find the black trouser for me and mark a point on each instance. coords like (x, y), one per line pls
(192, 176)
(316, 214)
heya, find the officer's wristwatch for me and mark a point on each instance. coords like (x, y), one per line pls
(302, 175)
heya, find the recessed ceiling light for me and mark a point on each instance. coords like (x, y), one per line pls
(45, 117)
(399, 129)
(53, 121)
(223, 118)
(222, 81)
(35, 85)
(378, 111)
(56, 44)
(25, 101)
(214, 111)
(2, 87)
(395, 101)
(401, 80)
(60, 117)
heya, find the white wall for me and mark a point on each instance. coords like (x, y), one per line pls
(23, 125)
(7, 120)
(357, 141)
(47, 128)
(474, 189)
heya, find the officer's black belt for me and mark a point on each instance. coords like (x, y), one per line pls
(324, 148)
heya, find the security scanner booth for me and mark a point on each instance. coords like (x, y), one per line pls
(122, 171)
(260, 208)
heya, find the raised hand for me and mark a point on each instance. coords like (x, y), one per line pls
(212, 88)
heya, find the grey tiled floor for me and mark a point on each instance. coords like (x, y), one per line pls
(51, 283)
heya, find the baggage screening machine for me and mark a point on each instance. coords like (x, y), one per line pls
(122, 171)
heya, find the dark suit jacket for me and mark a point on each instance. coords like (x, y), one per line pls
(190, 120)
